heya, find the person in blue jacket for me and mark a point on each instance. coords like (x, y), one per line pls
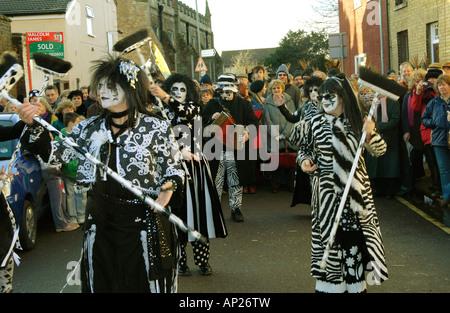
(437, 117)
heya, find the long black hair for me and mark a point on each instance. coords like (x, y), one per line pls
(353, 110)
(192, 94)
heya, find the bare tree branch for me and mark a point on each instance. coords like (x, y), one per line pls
(328, 10)
(244, 61)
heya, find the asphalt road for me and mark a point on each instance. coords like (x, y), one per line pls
(268, 253)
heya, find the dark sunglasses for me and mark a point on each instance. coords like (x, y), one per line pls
(326, 96)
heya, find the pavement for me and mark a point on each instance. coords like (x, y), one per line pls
(421, 195)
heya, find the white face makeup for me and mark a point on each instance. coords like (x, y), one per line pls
(331, 104)
(178, 91)
(227, 95)
(110, 97)
(314, 93)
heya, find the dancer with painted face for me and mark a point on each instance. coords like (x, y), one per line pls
(300, 134)
(304, 112)
(236, 170)
(201, 208)
(127, 246)
(358, 245)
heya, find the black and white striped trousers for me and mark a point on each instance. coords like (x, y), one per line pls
(227, 166)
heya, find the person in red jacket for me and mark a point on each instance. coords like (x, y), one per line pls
(424, 93)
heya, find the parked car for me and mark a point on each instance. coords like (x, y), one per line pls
(26, 190)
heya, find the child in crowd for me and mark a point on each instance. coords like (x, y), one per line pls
(62, 108)
(76, 201)
(206, 94)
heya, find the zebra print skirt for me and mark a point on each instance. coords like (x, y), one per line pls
(361, 232)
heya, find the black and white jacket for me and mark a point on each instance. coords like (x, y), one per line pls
(147, 155)
(332, 149)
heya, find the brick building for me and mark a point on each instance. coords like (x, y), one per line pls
(360, 20)
(419, 29)
(172, 25)
(409, 29)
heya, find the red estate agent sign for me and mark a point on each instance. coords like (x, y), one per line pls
(51, 43)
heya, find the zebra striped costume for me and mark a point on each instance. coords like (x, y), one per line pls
(332, 149)
(300, 118)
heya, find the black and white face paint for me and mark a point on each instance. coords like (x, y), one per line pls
(178, 91)
(330, 102)
(227, 95)
(313, 93)
(110, 95)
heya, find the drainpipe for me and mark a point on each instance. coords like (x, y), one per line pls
(381, 37)
(160, 18)
(388, 34)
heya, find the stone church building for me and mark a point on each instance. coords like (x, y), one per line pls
(173, 27)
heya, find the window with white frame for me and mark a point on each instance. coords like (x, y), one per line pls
(360, 60)
(110, 43)
(90, 20)
(433, 44)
